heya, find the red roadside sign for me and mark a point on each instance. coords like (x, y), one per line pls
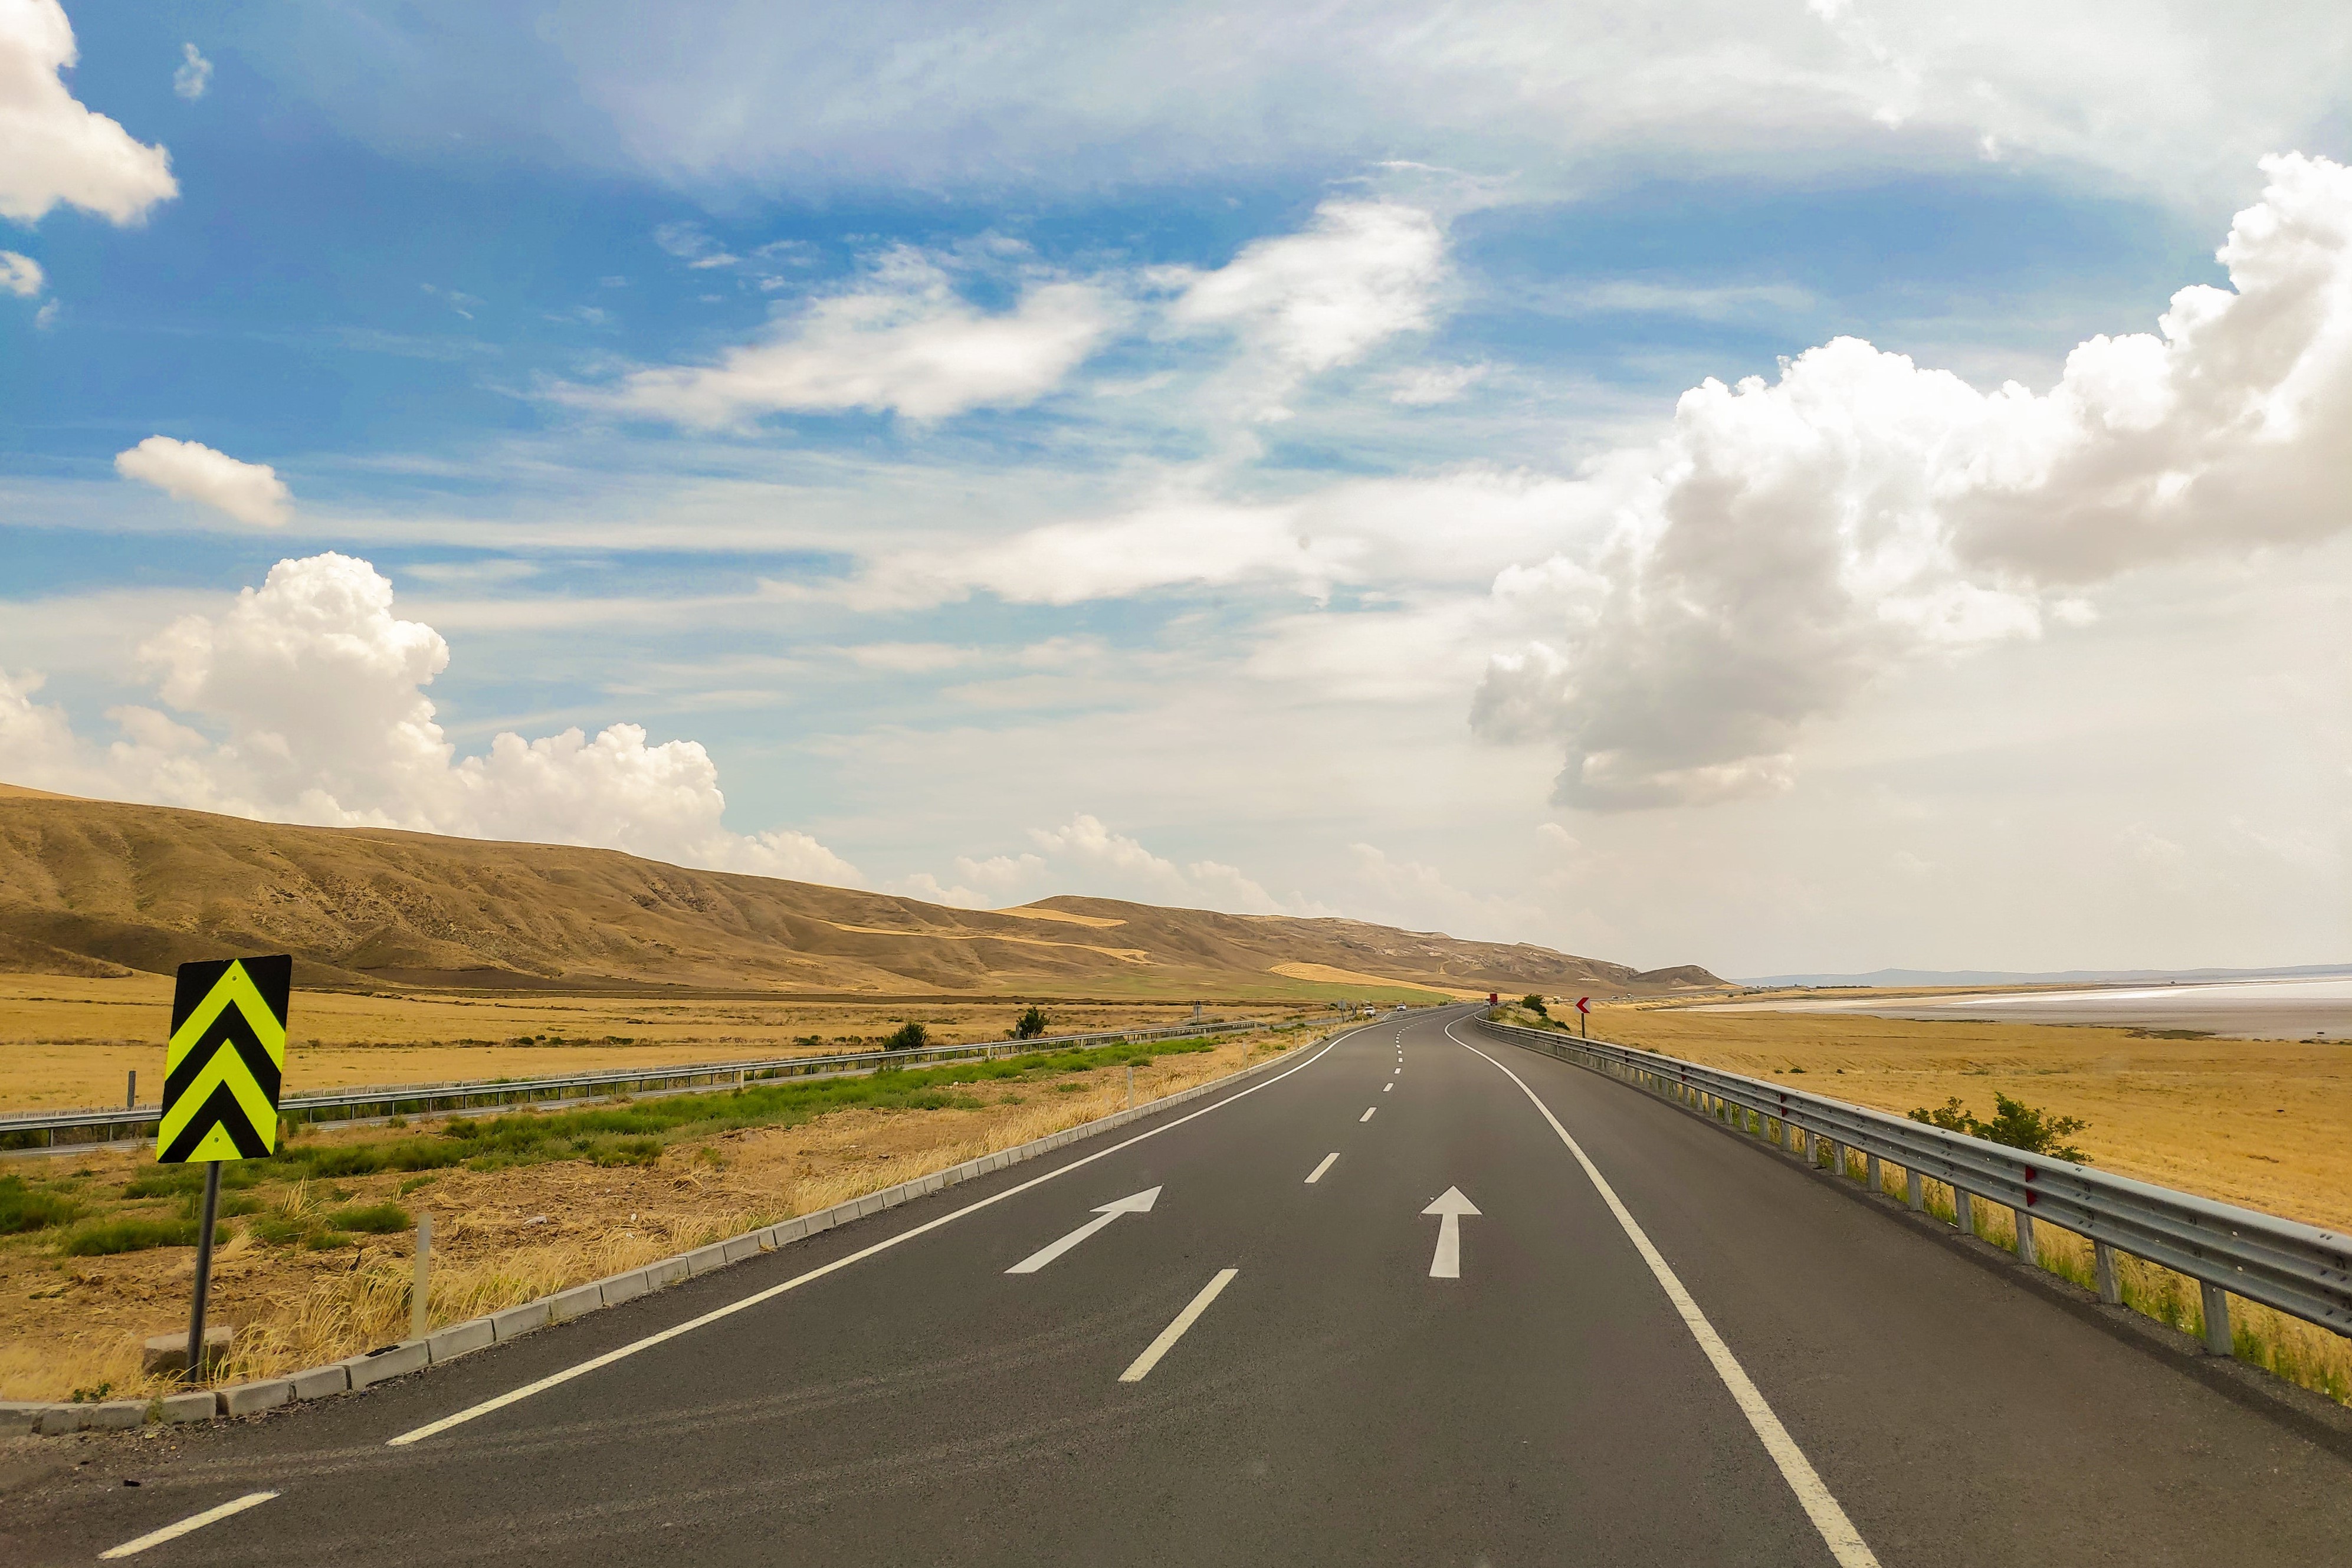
(1584, 1004)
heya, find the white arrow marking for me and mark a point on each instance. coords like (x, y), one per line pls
(1140, 1204)
(1449, 1209)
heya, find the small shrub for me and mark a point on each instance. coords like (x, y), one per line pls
(92, 1396)
(626, 1151)
(2014, 1123)
(1534, 1003)
(910, 1036)
(413, 1182)
(370, 1219)
(1032, 1025)
(24, 1208)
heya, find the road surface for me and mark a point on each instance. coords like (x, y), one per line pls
(1374, 1306)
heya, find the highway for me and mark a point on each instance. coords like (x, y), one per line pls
(1375, 1305)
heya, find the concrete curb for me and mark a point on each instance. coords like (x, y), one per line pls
(354, 1374)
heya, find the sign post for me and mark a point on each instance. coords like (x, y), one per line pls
(1583, 1012)
(221, 1081)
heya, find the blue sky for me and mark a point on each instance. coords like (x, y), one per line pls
(1207, 456)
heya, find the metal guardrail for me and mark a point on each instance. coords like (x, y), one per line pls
(74, 1129)
(2300, 1269)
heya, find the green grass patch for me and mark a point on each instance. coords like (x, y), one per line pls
(636, 1133)
(23, 1207)
(101, 1239)
(370, 1219)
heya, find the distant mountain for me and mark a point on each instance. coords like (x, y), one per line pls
(95, 888)
(1883, 977)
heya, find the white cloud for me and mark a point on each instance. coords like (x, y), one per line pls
(20, 275)
(310, 694)
(194, 75)
(1361, 273)
(1422, 889)
(1112, 864)
(190, 470)
(58, 151)
(1432, 384)
(1785, 545)
(904, 94)
(903, 341)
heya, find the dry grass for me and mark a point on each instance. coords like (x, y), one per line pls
(68, 1042)
(509, 1236)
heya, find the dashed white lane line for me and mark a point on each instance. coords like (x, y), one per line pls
(1316, 1174)
(1140, 1367)
(1837, 1532)
(1388, 1085)
(1367, 1116)
(194, 1521)
(432, 1428)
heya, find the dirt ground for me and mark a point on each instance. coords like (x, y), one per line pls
(508, 1236)
(2257, 1123)
(69, 1043)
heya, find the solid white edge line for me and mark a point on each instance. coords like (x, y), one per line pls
(514, 1395)
(1316, 1174)
(1367, 1116)
(1138, 1369)
(194, 1521)
(1837, 1532)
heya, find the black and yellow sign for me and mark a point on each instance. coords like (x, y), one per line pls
(227, 1059)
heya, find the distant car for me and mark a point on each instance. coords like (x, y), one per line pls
(1400, 1007)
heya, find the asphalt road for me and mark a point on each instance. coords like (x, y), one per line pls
(1333, 1402)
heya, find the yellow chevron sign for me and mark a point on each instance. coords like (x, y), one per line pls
(228, 1057)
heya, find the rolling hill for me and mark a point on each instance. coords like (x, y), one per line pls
(95, 888)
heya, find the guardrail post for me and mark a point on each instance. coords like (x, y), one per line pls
(1915, 1191)
(1870, 1177)
(2024, 1236)
(1838, 1167)
(2103, 1264)
(1961, 1214)
(2218, 1341)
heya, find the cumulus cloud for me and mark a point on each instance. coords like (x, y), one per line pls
(1786, 544)
(902, 341)
(190, 470)
(20, 275)
(194, 75)
(58, 151)
(1361, 272)
(304, 701)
